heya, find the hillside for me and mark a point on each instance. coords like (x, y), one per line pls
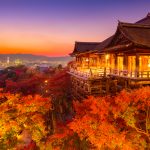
(30, 57)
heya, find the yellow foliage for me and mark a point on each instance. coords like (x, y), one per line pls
(20, 113)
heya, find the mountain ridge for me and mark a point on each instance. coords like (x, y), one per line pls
(32, 57)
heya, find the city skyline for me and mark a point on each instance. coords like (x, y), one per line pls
(50, 28)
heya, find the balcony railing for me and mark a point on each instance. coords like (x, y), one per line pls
(101, 72)
(130, 74)
(91, 73)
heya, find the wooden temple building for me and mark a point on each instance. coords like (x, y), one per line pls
(120, 61)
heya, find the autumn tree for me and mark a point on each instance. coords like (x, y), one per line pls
(26, 86)
(57, 87)
(22, 120)
(58, 84)
(120, 122)
(133, 110)
(23, 80)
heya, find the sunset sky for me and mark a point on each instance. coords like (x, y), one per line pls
(50, 27)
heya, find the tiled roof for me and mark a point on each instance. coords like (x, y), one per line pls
(81, 47)
(145, 20)
(136, 33)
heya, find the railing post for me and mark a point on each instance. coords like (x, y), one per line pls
(131, 73)
(105, 72)
(137, 65)
(90, 73)
(136, 74)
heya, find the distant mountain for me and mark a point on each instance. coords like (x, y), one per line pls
(30, 57)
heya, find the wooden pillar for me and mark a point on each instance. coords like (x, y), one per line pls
(116, 61)
(115, 85)
(77, 62)
(125, 62)
(126, 84)
(105, 72)
(107, 85)
(80, 62)
(89, 87)
(99, 63)
(101, 88)
(137, 65)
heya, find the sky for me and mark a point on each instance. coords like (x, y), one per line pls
(50, 27)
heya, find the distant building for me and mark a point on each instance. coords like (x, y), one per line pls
(18, 62)
(8, 60)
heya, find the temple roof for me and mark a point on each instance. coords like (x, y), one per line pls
(136, 33)
(81, 47)
(104, 43)
(145, 20)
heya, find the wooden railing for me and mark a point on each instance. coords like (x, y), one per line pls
(130, 74)
(91, 73)
(101, 72)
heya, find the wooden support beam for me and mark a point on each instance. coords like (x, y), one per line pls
(125, 62)
(126, 84)
(137, 65)
(116, 61)
(107, 85)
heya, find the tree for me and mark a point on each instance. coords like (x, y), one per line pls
(58, 84)
(22, 80)
(26, 86)
(120, 122)
(22, 119)
(58, 87)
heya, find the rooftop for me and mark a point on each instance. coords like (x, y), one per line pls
(145, 20)
(81, 47)
(138, 33)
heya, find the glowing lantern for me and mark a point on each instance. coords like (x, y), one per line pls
(107, 56)
(87, 60)
(45, 81)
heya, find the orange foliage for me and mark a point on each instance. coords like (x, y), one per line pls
(19, 114)
(120, 122)
(58, 84)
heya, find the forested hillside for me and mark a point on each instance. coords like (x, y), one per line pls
(37, 112)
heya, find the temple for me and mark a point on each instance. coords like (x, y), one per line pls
(120, 61)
